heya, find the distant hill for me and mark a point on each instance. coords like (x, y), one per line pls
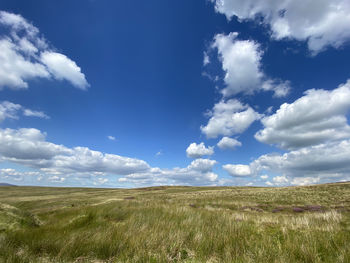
(5, 184)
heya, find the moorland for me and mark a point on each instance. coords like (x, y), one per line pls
(176, 224)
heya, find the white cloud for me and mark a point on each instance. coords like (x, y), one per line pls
(228, 143)
(100, 181)
(195, 150)
(305, 180)
(325, 160)
(32, 113)
(29, 147)
(317, 117)
(56, 179)
(323, 163)
(229, 118)
(9, 173)
(280, 180)
(321, 23)
(15, 68)
(280, 88)
(58, 164)
(241, 61)
(199, 172)
(25, 56)
(206, 59)
(203, 165)
(63, 68)
(237, 170)
(9, 110)
(112, 138)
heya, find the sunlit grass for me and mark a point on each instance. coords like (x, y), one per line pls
(176, 224)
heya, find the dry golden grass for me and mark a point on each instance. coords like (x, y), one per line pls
(176, 224)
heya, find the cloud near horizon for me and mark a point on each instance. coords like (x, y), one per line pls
(315, 131)
(29, 148)
(317, 117)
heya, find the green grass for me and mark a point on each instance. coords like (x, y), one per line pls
(176, 224)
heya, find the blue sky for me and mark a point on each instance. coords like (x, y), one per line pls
(135, 93)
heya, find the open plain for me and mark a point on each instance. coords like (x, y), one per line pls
(176, 224)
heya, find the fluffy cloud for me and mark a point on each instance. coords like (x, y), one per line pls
(237, 170)
(321, 23)
(305, 180)
(57, 163)
(195, 150)
(280, 180)
(63, 68)
(314, 129)
(317, 117)
(326, 160)
(241, 61)
(9, 173)
(228, 143)
(112, 138)
(9, 110)
(29, 147)
(199, 172)
(25, 56)
(229, 118)
(203, 165)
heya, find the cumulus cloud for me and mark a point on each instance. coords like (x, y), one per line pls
(241, 61)
(195, 150)
(199, 172)
(9, 173)
(327, 162)
(112, 138)
(203, 165)
(25, 55)
(237, 170)
(228, 143)
(56, 163)
(317, 117)
(9, 110)
(321, 23)
(30, 148)
(315, 132)
(229, 118)
(280, 180)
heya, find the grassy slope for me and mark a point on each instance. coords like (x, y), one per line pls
(168, 224)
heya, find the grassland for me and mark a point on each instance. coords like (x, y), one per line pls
(176, 224)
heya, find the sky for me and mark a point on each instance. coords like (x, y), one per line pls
(101, 93)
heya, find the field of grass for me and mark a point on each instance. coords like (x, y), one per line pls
(176, 224)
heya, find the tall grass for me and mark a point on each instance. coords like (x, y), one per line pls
(176, 224)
